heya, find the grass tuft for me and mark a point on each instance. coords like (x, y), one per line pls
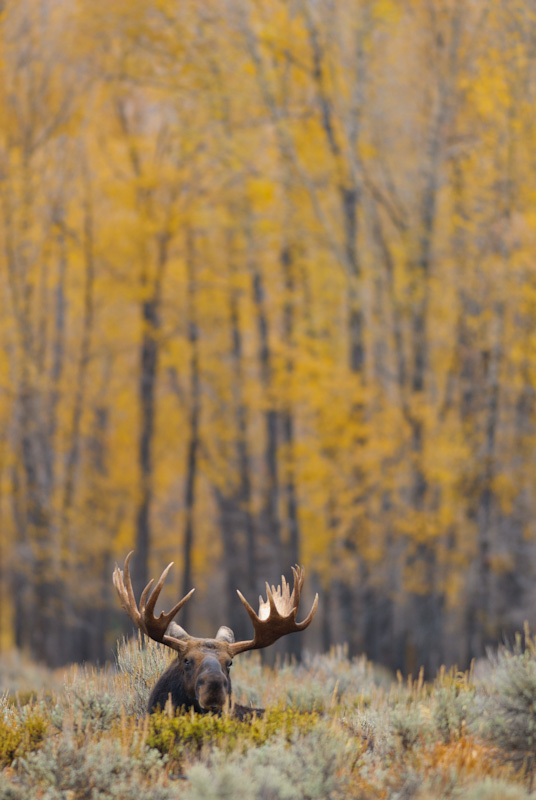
(333, 728)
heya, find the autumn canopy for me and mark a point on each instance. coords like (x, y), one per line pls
(268, 296)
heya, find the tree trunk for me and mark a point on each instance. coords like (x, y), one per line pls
(270, 548)
(480, 611)
(148, 365)
(147, 385)
(192, 457)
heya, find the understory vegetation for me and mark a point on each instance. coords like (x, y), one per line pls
(334, 727)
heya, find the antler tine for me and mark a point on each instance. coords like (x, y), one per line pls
(301, 626)
(270, 598)
(155, 594)
(277, 614)
(143, 617)
(252, 615)
(144, 596)
(128, 580)
(123, 586)
(177, 607)
(299, 575)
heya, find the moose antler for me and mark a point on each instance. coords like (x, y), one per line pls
(276, 617)
(143, 617)
(277, 614)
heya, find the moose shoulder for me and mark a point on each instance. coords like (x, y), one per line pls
(200, 676)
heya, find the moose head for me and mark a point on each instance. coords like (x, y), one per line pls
(200, 676)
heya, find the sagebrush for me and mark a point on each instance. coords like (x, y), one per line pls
(334, 727)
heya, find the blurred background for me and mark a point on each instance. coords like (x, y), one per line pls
(267, 296)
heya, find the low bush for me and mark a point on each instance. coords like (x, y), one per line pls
(454, 709)
(308, 767)
(507, 705)
(10, 791)
(491, 789)
(94, 771)
(331, 729)
(140, 662)
(188, 733)
(20, 732)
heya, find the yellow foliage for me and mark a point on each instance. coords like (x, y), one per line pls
(267, 193)
(387, 11)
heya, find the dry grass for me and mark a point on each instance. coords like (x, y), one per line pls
(334, 728)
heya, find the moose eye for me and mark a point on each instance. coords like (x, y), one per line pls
(186, 662)
(229, 664)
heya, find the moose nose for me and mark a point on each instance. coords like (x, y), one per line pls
(212, 686)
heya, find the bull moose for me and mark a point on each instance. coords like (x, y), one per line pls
(199, 678)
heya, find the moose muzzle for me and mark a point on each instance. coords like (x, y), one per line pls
(212, 685)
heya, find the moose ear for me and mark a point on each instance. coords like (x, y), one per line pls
(176, 631)
(225, 634)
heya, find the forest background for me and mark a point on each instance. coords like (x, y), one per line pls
(267, 296)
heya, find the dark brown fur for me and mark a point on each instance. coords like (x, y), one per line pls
(202, 683)
(199, 679)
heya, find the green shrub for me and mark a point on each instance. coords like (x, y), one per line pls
(140, 662)
(309, 767)
(89, 702)
(20, 732)
(508, 706)
(308, 696)
(94, 709)
(492, 789)
(454, 710)
(341, 675)
(410, 726)
(190, 732)
(391, 730)
(9, 791)
(249, 679)
(318, 682)
(323, 680)
(95, 771)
